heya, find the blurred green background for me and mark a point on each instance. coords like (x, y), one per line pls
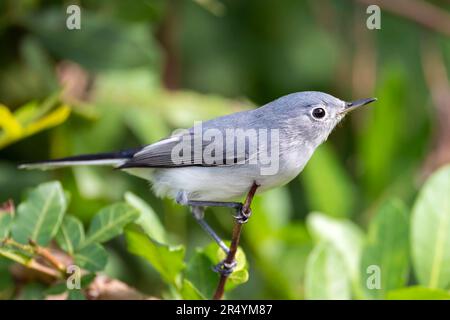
(137, 70)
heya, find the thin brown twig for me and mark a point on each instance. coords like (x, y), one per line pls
(48, 256)
(237, 229)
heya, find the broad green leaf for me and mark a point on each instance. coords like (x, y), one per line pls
(5, 224)
(345, 236)
(328, 186)
(418, 293)
(92, 257)
(167, 260)
(39, 217)
(430, 231)
(189, 292)
(109, 222)
(326, 277)
(200, 273)
(387, 248)
(148, 219)
(70, 234)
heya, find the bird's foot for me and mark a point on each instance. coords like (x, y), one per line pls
(242, 215)
(225, 268)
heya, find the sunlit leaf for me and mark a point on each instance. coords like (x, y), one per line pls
(345, 236)
(418, 293)
(326, 277)
(430, 231)
(13, 130)
(240, 272)
(189, 292)
(39, 217)
(387, 248)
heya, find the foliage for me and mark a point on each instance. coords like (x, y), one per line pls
(134, 73)
(40, 219)
(387, 247)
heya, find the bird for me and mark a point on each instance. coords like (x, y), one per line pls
(216, 162)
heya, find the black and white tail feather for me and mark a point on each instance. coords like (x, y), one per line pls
(115, 159)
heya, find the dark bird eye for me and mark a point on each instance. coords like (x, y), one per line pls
(318, 113)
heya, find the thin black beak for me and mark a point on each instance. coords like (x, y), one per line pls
(350, 106)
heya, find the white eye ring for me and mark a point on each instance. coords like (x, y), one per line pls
(318, 113)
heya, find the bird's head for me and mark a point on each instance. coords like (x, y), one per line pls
(314, 114)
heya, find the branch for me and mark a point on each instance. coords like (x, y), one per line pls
(419, 11)
(234, 243)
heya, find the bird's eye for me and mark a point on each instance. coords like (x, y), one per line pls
(318, 113)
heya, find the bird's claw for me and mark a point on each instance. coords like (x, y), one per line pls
(225, 268)
(243, 216)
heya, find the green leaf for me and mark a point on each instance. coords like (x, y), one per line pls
(92, 257)
(200, 273)
(5, 224)
(326, 276)
(430, 231)
(70, 234)
(324, 175)
(418, 293)
(148, 219)
(387, 248)
(109, 222)
(189, 292)
(167, 260)
(39, 217)
(345, 236)
(240, 273)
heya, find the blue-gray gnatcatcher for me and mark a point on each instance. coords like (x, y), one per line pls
(218, 161)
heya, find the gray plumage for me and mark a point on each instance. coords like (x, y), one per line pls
(231, 176)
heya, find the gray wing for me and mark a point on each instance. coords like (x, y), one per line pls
(179, 151)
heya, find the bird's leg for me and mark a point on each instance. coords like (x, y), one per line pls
(223, 267)
(241, 215)
(199, 215)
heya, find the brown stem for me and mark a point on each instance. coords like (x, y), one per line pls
(48, 256)
(234, 243)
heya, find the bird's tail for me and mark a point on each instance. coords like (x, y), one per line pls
(100, 159)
